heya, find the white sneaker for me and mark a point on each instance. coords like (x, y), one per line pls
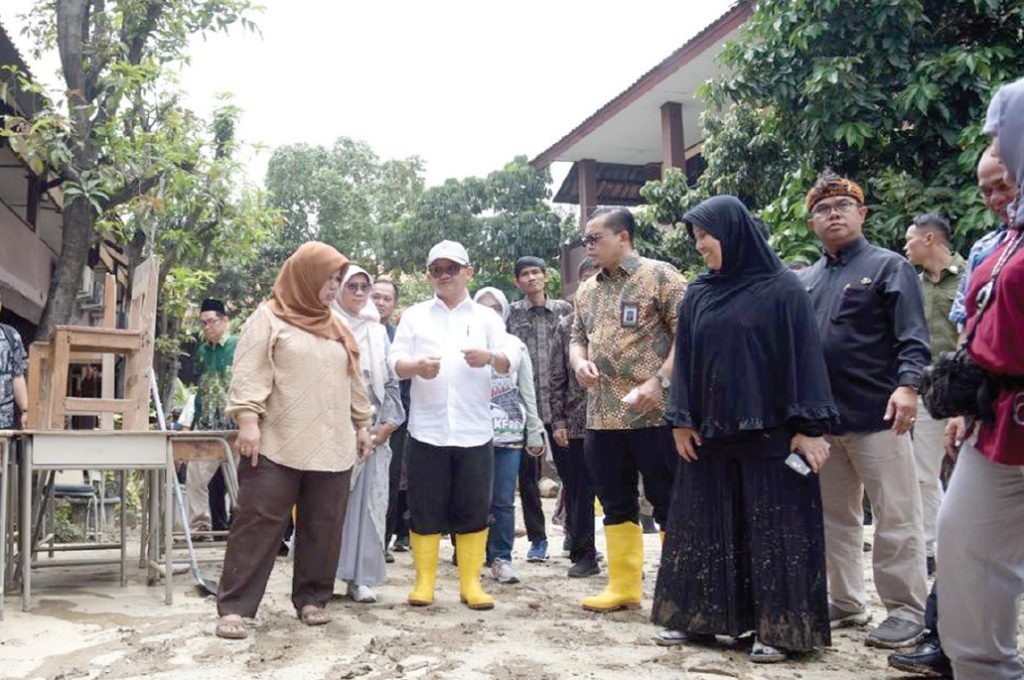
(362, 594)
(502, 571)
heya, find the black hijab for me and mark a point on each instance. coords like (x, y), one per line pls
(748, 354)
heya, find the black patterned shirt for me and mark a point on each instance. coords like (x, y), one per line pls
(13, 363)
(535, 326)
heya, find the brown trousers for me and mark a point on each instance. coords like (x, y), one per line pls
(265, 499)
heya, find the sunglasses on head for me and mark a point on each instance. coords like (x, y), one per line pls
(437, 270)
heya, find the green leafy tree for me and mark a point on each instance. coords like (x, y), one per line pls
(117, 142)
(888, 92)
(344, 195)
(498, 218)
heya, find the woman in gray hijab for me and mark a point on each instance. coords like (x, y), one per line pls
(361, 564)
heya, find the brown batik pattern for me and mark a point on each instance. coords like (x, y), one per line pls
(627, 356)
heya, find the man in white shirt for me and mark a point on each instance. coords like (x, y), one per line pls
(447, 346)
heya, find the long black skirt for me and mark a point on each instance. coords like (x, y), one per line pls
(744, 551)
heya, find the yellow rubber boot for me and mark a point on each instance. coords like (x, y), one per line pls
(470, 549)
(625, 570)
(425, 548)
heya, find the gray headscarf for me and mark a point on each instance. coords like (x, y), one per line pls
(1005, 119)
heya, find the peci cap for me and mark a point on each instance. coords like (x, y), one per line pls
(448, 250)
(213, 305)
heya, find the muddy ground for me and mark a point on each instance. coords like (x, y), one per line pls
(84, 626)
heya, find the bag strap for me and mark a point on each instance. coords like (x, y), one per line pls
(1008, 253)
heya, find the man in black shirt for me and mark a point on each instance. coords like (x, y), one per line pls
(871, 316)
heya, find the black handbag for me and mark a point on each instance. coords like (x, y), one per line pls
(955, 385)
(950, 387)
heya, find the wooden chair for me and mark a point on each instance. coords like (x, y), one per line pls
(50, 361)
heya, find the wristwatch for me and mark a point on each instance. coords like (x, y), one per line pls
(665, 381)
(492, 361)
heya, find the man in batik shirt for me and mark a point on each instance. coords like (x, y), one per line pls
(622, 350)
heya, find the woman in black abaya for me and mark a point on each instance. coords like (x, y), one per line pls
(745, 547)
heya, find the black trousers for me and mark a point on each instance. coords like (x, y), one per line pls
(529, 495)
(579, 498)
(218, 507)
(931, 609)
(616, 458)
(449, 487)
(395, 523)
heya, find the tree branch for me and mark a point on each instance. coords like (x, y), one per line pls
(134, 35)
(136, 187)
(71, 16)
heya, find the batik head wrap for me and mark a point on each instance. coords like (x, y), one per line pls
(830, 184)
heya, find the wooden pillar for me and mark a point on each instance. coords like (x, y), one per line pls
(587, 182)
(109, 321)
(673, 146)
(32, 202)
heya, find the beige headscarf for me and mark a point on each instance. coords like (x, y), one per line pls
(295, 296)
(369, 334)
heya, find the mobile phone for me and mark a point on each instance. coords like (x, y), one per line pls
(797, 463)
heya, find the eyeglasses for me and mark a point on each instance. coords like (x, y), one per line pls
(437, 270)
(356, 287)
(209, 323)
(591, 239)
(825, 209)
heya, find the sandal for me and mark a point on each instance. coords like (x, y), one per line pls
(311, 615)
(762, 653)
(231, 627)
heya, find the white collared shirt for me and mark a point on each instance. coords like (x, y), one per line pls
(453, 409)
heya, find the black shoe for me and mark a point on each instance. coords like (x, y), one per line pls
(927, 659)
(930, 565)
(584, 567)
(647, 522)
(894, 633)
(401, 544)
(388, 557)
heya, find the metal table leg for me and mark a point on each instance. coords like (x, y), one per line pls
(122, 481)
(25, 525)
(169, 479)
(5, 444)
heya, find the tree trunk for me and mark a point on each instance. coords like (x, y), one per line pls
(76, 241)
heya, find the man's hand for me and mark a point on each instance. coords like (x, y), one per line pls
(902, 409)
(955, 434)
(477, 358)
(364, 443)
(381, 434)
(248, 440)
(428, 367)
(648, 396)
(687, 441)
(586, 373)
(815, 450)
(561, 437)
(24, 420)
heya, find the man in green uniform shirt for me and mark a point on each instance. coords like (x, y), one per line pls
(927, 247)
(213, 359)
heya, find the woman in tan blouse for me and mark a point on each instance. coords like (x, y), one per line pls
(303, 420)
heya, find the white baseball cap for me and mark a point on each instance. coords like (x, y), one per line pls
(448, 250)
